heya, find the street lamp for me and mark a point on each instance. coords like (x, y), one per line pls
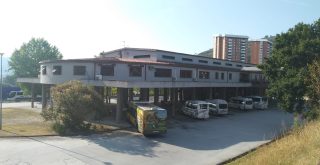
(1, 54)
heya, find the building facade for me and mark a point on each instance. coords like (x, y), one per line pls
(231, 47)
(259, 50)
(182, 75)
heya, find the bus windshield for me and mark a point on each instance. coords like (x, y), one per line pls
(161, 114)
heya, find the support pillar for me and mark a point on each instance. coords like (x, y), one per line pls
(165, 95)
(156, 95)
(171, 94)
(193, 93)
(174, 101)
(32, 95)
(119, 104)
(130, 94)
(44, 96)
(180, 94)
(144, 94)
(210, 93)
(237, 91)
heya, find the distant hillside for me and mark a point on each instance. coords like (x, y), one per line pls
(207, 53)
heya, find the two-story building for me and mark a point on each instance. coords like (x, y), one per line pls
(177, 76)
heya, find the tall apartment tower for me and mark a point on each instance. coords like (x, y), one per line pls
(259, 50)
(231, 47)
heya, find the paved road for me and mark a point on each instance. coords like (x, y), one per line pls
(188, 141)
(23, 105)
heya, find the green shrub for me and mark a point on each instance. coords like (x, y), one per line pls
(72, 104)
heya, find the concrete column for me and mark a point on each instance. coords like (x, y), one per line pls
(237, 91)
(174, 101)
(193, 93)
(44, 96)
(130, 94)
(119, 104)
(156, 95)
(32, 95)
(210, 93)
(180, 94)
(171, 94)
(165, 95)
(144, 94)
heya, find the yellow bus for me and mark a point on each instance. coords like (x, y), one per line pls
(147, 118)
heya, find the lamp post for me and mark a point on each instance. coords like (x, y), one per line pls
(1, 54)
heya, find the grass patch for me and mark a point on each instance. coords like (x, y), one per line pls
(24, 122)
(301, 146)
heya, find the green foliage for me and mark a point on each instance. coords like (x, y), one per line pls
(10, 80)
(24, 62)
(286, 69)
(72, 104)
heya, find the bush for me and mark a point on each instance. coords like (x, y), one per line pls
(72, 104)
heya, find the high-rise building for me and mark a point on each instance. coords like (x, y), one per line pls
(259, 50)
(230, 47)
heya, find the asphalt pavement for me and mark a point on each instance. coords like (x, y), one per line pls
(187, 141)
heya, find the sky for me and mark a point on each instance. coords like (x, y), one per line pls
(84, 28)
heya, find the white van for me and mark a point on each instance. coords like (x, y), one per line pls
(196, 109)
(242, 103)
(218, 106)
(16, 96)
(259, 102)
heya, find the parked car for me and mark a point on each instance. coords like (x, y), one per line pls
(218, 106)
(196, 109)
(242, 103)
(259, 102)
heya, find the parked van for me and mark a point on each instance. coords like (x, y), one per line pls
(196, 109)
(147, 118)
(242, 103)
(17, 96)
(259, 102)
(218, 106)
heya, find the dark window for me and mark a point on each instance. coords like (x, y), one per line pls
(217, 75)
(168, 57)
(186, 73)
(57, 70)
(217, 63)
(203, 61)
(187, 59)
(79, 70)
(228, 64)
(107, 70)
(222, 76)
(160, 72)
(142, 56)
(239, 65)
(203, 75)
(44, 70)
(135, 71)
(230, 76)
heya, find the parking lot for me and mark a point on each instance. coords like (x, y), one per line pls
(188, 141)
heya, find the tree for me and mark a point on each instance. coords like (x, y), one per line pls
(72, 104)
(286, 69)
(24, 62)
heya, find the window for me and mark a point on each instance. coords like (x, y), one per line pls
(203, 61)
(222, 76)
(57, 70)
(203, 75)
(79, 70)
(168, 57)
(217, 76)
(107, 70)
(230, 76)
(187, 59)
(142, 56)
(216, 63)
(160, 72)
(228, 64)
(239, 65)
(186, 73)
(44, 70)
(135, 71)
